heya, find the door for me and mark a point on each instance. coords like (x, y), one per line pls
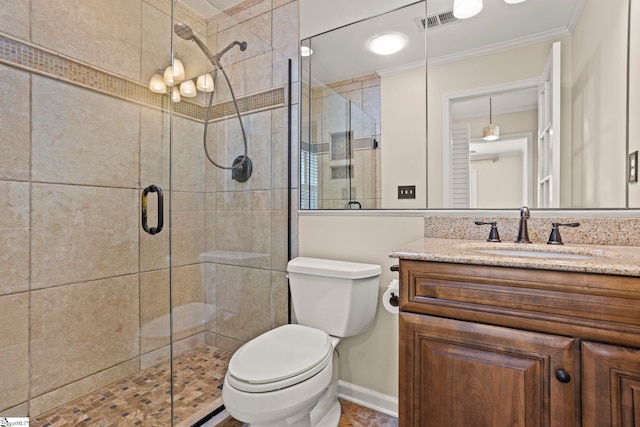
(549, 131)
(456, 374)
(460, 192)
(610, 386)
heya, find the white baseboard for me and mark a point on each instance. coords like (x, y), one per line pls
(368, 398)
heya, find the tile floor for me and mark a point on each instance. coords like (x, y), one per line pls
(352, 416)
(144, 398)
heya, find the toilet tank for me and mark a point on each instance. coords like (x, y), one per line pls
(338, 297)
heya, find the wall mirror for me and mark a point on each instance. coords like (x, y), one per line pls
(405, 130)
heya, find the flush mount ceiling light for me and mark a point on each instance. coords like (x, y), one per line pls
(306, 51)
(491, 132)
(463, 9)
(514, 1)
(387, 44)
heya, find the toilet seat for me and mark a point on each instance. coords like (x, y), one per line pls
(280, 358)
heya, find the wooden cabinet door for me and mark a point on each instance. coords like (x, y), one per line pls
(460, 374)
(610, 386)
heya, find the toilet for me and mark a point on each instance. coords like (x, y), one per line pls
(285, 376)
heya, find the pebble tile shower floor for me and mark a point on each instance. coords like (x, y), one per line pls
(144, 398)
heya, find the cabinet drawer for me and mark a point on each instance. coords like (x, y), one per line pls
(599, 307)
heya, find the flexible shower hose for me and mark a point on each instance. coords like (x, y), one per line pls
(235, 165)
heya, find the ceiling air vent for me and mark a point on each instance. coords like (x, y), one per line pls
(435, 21)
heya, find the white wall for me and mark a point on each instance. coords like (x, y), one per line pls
(499, 182)
(369, 360)
(634, 96)
(403, 138)
(598, 97)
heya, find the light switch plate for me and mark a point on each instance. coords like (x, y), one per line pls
(406, 192)
(632, 167)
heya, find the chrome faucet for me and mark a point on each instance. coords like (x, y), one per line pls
(523, 232)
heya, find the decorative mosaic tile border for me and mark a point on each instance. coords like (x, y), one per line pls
(16, 53)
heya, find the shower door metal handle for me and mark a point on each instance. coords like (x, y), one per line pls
(145, 193)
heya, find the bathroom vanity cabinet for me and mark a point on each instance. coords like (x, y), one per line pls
(500, 346)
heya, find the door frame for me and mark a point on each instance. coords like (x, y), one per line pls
(447, 100)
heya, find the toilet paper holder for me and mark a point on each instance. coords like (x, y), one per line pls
(394, 300)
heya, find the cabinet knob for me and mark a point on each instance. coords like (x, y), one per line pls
(563, 376)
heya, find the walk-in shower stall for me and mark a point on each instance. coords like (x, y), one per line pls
(131, 266)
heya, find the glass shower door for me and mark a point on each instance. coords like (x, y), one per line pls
(85, 291)
(229, 240)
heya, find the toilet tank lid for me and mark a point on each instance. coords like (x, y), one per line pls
(333, 268)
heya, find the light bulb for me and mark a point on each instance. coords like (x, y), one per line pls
(205, 83)
(178, 70)
(168, 76)
(491, 132)
(175, 94)
(188, 89)
(463, 9)
(157, 84)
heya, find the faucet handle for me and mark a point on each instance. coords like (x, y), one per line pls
(554, 237)
(493, 233)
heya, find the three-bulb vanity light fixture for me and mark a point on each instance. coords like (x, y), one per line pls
(174, 78)
(463, 9)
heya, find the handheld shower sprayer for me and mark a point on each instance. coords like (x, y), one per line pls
(242, 167)
(185, 32)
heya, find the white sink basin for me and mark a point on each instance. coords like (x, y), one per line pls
(536, 254)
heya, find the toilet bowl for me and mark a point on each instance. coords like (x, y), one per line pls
(277, 378)
(284, 377)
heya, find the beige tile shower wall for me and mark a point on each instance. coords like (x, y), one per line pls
(15, 135)
(106, 35)
(82, 329)
(14, 236)
(14, 18)
(14, 357)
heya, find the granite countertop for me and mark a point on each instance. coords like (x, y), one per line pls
(602, 259)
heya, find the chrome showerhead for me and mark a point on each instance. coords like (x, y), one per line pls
(242, 45)
(183, 31)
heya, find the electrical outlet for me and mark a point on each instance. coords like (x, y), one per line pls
(406, 191)
(632, 167)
